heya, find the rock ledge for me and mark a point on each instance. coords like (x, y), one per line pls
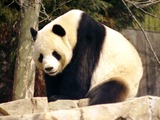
(142, 108)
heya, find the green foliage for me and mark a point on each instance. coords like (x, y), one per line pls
(112, 13)
(151, 20)
(8, 12)
(9, 17)
(96, 8)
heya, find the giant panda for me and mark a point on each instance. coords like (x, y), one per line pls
(82, 58)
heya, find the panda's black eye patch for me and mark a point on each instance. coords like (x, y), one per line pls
(56, 55)
(40, 59)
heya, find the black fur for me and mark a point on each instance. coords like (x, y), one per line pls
(109, 92)
(58, 30)
(74, 81)
(40, 59)
(33, 33)
(56, 55)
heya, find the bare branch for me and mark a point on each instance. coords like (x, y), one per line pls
(150, 13)
(8, 4)
(138, 7)
(147, 39)
(61, 5)
(47, 16)
(44, 12)
(144, 4)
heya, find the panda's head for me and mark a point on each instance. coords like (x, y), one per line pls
(52, 51)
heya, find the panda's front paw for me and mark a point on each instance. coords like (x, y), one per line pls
(57, 97)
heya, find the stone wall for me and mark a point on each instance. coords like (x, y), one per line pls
(142, 108)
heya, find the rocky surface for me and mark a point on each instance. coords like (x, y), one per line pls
(24, 106)
(142, 108)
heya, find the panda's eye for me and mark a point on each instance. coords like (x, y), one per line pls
(56, 55)
(40, 59)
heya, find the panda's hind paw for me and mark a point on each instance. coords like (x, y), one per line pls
(53, 98)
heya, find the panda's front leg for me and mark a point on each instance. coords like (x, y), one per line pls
(53, 87)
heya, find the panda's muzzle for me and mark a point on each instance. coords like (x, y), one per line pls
(50, 65)
(50, 71)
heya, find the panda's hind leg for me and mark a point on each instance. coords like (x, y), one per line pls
(109, 92)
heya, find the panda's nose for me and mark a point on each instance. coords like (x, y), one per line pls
(48, 69)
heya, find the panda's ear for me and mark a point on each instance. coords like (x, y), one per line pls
(58, 30)
(33, 33)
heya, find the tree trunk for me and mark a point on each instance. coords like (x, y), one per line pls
(24, 75)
